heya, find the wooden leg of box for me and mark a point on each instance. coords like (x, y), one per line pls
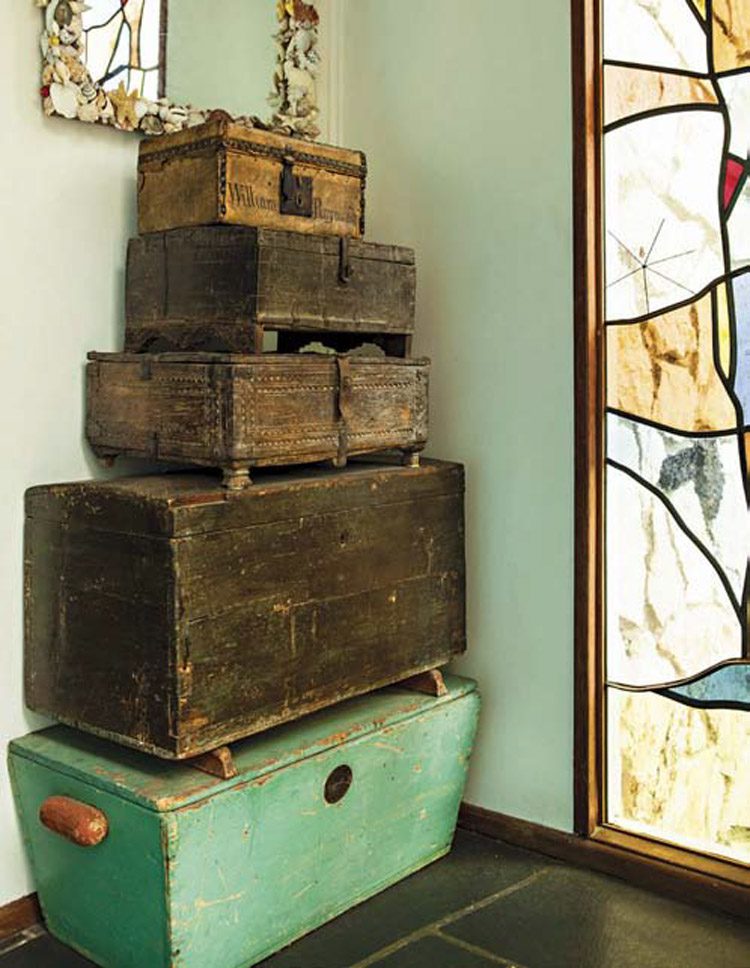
(236, 478)
(410, 458)
(216, 763)
(431, 683)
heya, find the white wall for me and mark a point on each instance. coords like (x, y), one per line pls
(67, 208)
(463, 107)
(467, 128)
(236, 34)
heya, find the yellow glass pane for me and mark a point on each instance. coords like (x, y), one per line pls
(731, 35)
(679, 773)
(723, 330)
(663, 370)
(631, 90)
(700, 6)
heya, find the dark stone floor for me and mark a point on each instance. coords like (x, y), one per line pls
(489, 904)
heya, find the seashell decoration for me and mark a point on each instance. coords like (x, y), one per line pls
(63, 13)
(152, 124)
(78, 73)
(64, 99)
(87, 93)
(69, 90)
(88, 112)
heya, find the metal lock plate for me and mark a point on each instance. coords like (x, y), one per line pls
(296, 192)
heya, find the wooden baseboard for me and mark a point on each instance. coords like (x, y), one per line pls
(647, 872)
(655, 875)
(19, 915)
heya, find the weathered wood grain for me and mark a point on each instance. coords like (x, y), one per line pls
(221, 172)
(238, 412)
(221, 288)
(200, 872)
(174, 616)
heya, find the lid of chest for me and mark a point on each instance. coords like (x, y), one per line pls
(163, 786)
(179, 505)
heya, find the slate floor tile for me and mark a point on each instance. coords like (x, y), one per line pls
(476, 868)
(548, 916)
(434, 952)
(574, 919)
(44, 952)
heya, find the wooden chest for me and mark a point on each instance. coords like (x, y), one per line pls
(196, 872)
(221, 287)
(238, 412)
(174, 616)
(223, 172)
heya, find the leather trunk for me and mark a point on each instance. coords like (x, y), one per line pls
(222, 172)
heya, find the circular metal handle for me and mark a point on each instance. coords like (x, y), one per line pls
(338, 784)
(77, 822)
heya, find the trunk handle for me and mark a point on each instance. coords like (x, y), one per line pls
(78, 822)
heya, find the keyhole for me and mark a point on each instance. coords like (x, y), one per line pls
(338, 783)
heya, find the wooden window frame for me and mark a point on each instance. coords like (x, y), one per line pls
(704, 875)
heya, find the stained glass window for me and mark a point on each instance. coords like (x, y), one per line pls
(676, 248)
(124, 43)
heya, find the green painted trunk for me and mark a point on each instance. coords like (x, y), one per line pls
(198, 872)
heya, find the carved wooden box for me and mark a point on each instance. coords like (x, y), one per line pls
(239, 412)
(169, 614)
(198, 872)
(220, 287)
(223, 172)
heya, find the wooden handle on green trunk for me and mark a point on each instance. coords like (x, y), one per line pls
(78, 822)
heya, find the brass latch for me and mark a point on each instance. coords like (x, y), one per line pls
(296, 191)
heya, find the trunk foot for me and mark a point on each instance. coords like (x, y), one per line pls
(430, 683)
(217, 763)
(236, 478)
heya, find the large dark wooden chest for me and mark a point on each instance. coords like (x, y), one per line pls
(222, 172)
(238, 412)
(221, 287)
(171, 615)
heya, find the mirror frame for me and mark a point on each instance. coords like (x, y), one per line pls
(69, 91)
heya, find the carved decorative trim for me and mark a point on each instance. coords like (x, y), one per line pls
(69, 91)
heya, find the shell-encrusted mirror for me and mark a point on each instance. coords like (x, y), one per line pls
(158, 66)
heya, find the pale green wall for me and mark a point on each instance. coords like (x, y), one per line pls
(222, 55)
(67, 211)
(464, 110)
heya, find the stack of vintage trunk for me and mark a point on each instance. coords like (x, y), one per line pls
(180, 612)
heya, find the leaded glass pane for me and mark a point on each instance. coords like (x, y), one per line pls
(676, 241)
(123, 41)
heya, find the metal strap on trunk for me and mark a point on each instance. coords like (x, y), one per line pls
(344, 404)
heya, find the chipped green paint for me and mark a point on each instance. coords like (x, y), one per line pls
(200, 872)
